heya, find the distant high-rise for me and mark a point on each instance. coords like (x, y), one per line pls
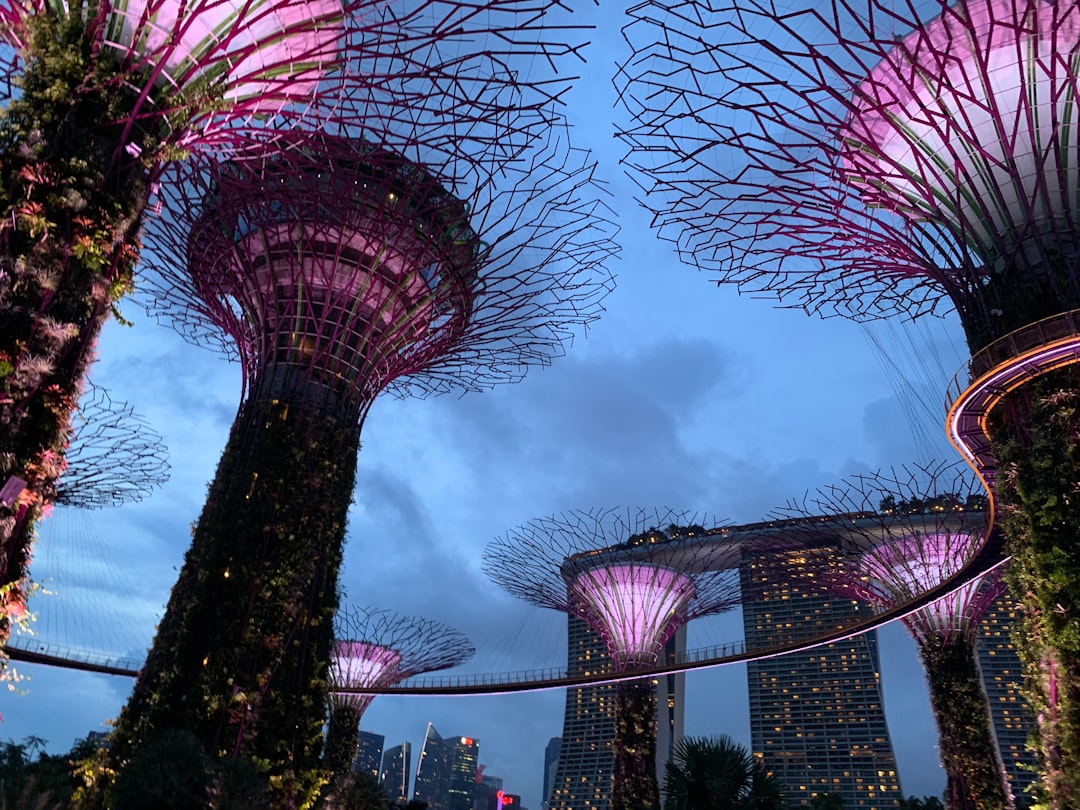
(817, 718)
(485, 790)
(1009, 713)
(369, 757)
(551, 763)
(582, 776)
(446, 772)
(396, 767)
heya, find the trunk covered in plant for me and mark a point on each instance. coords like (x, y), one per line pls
(342, 738)
(1037, 432)
(73, 193)
(974, 773)
(240, 658)
(633, 785)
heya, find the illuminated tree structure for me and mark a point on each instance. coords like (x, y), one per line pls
(374, 649)
(336, 269)
(929, 523)
(100, 95)
(634, 585)
(865, 159)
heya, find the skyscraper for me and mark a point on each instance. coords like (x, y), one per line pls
(582, 776)
(1009, 713)
(369, 757)
(446, 772)
(396, 767)
(551, 763)
(816, 718)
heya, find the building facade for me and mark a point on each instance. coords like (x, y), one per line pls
(551, 764)
(396, 770)
(817, 718)
(446, 771)
(1003, 678)
(369, 755)
(586, 760)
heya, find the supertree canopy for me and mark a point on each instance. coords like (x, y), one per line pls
(114, 458)
(102, 95)
(929, 525)
(335, 269)
(635, 585)
(869, 159)
(377, 648)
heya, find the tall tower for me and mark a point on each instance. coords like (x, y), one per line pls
(551, 764)
(585, 763)
(634, 585)
(446, 771)
(869, 158)
(1003, 679)
(397, 771)
(369, 754)
(817, 718)
(336, 270)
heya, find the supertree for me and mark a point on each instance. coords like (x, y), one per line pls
(100, 95)
(634, 578)
(871, 159)
(376, 648)
(916, 528)
(334, 269)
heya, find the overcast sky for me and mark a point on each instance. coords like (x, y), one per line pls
(683, 395)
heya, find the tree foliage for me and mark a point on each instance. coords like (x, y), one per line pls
(710, 773)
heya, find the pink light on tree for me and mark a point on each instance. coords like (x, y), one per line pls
(109, 92)
(336, 269)
(871, 159)
(635, 585)
(379, 648)
(922, 536)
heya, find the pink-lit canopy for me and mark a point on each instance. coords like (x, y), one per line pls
(333, 263)
(635, 606)
(902, 569)
(266, 53)
(359, 664)
(974, 118)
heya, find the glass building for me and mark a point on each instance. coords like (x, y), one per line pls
(817, 718)
(1003, 678)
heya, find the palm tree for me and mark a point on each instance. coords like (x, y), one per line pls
(716, 773)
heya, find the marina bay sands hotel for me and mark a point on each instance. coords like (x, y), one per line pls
(817, 718)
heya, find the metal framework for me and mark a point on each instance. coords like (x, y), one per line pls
(334, 269)
(866, 158)
(101, 95)
(918, 554)
(376, 648)
(114, 458)
(635, 577)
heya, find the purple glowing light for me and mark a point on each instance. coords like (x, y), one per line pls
(358, 664)
(973, 118)
(636, 607)
(265, 53)
(901, 570)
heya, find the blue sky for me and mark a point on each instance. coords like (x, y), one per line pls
(682, 395)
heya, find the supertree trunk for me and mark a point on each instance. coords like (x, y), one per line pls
(73, 199)
(242, 663)
(342, 739)
(1037, 432)
(633, 781)
(974, 773)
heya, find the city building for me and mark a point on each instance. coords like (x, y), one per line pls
(551, 763)
(369, 756)
(585, 760)
(817, 718)
(446, 771)
(484, 790)
(1002, 677)
(396, 768)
